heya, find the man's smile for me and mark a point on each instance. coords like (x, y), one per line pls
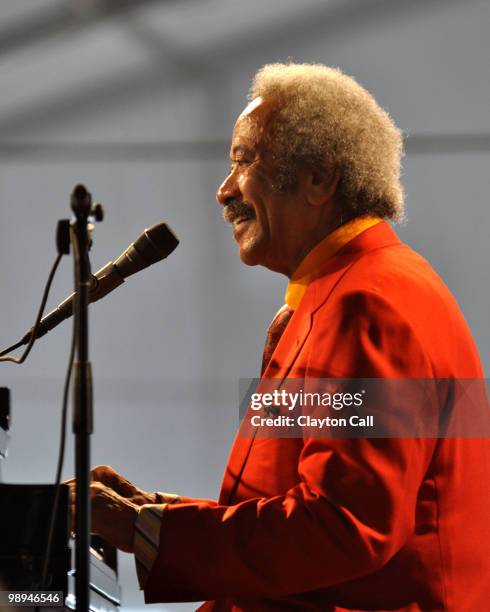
(241, 220)
(240, 226)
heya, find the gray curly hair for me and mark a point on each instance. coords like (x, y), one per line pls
(326, 117)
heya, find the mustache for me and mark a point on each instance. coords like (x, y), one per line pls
(235, 209)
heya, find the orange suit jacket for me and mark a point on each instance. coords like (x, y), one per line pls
(347, 524)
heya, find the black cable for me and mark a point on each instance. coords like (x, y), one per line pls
(19, 360)
(61, 456)
(11, 348)
(61, 452)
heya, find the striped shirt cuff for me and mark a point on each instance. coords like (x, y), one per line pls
(147, 534)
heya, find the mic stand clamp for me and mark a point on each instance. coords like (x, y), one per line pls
(81, 228)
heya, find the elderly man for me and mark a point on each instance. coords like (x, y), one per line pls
(326, 523)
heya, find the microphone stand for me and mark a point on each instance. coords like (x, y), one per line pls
(81, 204)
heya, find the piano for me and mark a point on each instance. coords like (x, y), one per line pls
(25, 513)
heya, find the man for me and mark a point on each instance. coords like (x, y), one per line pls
(326, 523)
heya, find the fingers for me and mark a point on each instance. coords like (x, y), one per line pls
(105, 474)
(109, 477)
(72, 499)
(112, 516)
(72, 490)
(101, 473)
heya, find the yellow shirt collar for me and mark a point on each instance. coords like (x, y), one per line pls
(311, 264)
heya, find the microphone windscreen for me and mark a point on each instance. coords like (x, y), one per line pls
(156, 243)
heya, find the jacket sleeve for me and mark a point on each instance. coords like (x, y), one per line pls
(354, 505)
(147, 531)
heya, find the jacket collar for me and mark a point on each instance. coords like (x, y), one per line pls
(311, 265)
(319, 290)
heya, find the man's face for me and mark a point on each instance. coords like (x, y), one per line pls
(265, 221)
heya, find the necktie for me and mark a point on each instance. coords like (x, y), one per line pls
(274, 333)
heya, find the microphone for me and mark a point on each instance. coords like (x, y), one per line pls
(154, 244)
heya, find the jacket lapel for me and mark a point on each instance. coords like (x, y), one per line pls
(279, 367)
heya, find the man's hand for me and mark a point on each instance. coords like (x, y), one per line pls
(115, 502)
(113, 516)
(120, 485)
(109, 477)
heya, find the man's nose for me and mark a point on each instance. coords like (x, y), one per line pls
(227, 190)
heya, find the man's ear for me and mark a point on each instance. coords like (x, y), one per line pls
(322, 184)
